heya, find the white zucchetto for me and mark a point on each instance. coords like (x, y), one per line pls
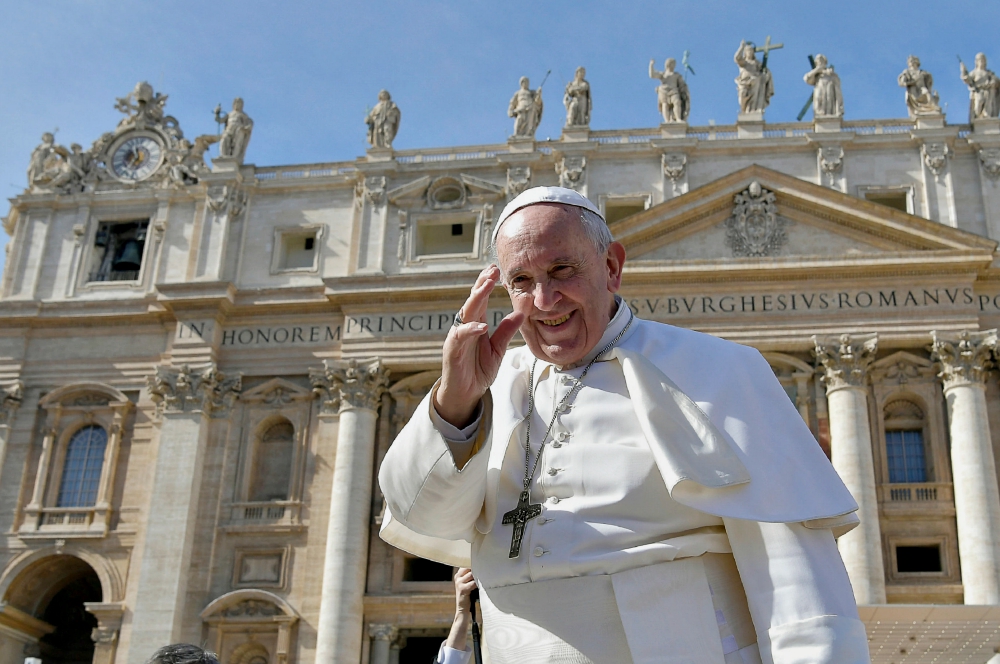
(536, 195)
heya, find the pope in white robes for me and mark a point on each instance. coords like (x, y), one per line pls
(625, 491)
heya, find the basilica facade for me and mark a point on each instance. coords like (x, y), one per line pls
(202, 366)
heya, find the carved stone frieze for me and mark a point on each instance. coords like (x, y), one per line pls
(674, 164)
(902, 372)
(989, 158)
(346, 384)
(183, 389)
(374, 189)
(572, 172)
(251, 608)
(964, 359)
(754, 228)
(226, 199)
(935, 156)
(518, 179)
(10, 400)
(845, 360)
(831, 158)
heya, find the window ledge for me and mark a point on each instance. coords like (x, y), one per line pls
(65, 523)
(270, 516)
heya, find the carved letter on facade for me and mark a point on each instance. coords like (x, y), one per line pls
(754, 228)
(343, 385)
(184, 389)
(845, 360)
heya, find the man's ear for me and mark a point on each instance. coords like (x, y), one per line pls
(615, 262)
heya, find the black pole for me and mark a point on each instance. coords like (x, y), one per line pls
(477, 647)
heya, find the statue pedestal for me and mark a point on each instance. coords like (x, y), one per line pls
(379, 154)
(826, 125)
(750, 125)
(576, 133)
(521, 143)
(674, 130)
(930, 121)
(986, 126)
(225, 165)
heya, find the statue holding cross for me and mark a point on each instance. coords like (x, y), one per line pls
(754, 83)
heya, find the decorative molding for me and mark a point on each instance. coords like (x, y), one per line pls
(10, 400)
(251, 608)
(572, 172)
(964, 359)
(518, 179)
(674, 165)
(226, 199)
(754, 229)
(936, 157)
(989, 158)
(347, 384)
(374, 189)
(845, 360)
(183, 389)
(383, 631)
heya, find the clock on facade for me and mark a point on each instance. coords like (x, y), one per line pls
(137, 158)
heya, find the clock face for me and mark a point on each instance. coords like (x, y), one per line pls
(137, 158)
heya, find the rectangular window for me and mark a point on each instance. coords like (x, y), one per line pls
(298, 251)
(918, 559)
(905, 453)
(118, 251)
(434, 239)
(897, 200)
(614, 211)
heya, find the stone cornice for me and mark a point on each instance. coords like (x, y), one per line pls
(845, 360)
(964, 358)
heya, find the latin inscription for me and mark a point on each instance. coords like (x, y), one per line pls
(281, 336)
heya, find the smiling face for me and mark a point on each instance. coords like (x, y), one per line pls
(558, 280)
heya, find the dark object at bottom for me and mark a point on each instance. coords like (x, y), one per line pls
(477, 646)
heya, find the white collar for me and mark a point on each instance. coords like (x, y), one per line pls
(617, 323)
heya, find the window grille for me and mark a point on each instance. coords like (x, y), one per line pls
(905, 454)
(82, 469)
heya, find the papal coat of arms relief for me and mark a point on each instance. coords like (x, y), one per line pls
(754, 228)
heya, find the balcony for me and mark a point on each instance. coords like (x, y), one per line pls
(65, 522)
(271, 516)
(917, 497)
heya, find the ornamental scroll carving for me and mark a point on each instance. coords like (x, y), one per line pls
(571, 172)
(184, 389)
(226, 200)
(845, 360)
(965, 359)
(374, 189)
(990, 160)
(346, 384)
(754, 228)
(936, 156)
(10, 401)
(674, 165)
(518, 179)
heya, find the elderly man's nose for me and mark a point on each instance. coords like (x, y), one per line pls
(545, 295)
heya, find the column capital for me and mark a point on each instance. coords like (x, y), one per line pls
(845, 359)
(183, 389)
(10, 400)
(383, 631)
(964, 358)
(349, 384)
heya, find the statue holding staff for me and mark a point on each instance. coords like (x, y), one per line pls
(984, 89)
(673, 98)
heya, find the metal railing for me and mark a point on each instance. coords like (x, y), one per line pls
(916, 492)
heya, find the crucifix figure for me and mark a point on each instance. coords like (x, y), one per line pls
(754, 83)
(519, 516)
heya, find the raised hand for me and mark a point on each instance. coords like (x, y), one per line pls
(471, 356)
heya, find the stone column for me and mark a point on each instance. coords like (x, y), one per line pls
(964, 360)
(845, 362)
(382, 636)
(352, 389)
(397, 644)
(185, 399)
(105, 635)
(10, 400)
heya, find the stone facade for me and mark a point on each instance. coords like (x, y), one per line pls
(245, 342)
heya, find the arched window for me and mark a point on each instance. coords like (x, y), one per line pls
(81, 473)
(272, 464)
(904, 442)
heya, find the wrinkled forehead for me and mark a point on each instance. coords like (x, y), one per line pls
(540, 230)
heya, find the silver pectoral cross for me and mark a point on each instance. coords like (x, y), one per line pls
(519, 516)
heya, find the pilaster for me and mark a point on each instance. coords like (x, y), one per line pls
(964, 361)
(383, 637)
(845, 361)
(105, 635)
(10, 400)
(351, 391)
(186, 399)
(985, 138)
(936, 154)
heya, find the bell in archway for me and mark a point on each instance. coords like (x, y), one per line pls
(129, 259)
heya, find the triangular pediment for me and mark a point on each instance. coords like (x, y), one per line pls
(782, 218)
(277, 391)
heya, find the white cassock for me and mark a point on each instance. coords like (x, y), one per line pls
(688, 515)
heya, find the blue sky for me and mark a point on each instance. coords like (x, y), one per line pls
(308, 70)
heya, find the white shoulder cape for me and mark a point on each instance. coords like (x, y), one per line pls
(725, 436)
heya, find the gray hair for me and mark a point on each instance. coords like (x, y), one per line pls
(593, 225)
(183, 653)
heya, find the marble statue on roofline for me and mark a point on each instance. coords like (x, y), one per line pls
(921, 99)
(383, 121)
(828, 101)
(672, 95)
(526, 108)
(53, 167)
(754, 85)
(577, 100)
(984, 89)
(236, 134)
